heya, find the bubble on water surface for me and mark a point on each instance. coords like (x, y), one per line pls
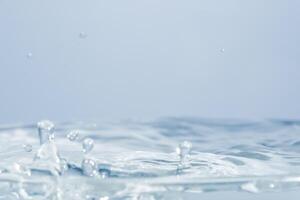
(89, 167)
(46, 131)
(27, 147)
(73, 135)
(87, 145)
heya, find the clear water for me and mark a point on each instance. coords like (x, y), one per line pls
(167, 158)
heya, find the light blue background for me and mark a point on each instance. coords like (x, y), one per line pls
(145, 59)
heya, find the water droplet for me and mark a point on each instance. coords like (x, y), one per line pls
(222, 50)
(29, 55)
(73, 135)
(27, 147)
(87, 145)
(46, 131)
(82, 35)
(89, 167)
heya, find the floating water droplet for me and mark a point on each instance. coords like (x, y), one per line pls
(29, 55)
(222, 50)
(46, 131)
(89, 167)
(82, 35)
(27, 147)
(87, 145)
(73, 135)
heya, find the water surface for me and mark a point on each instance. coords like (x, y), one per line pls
(168, 158)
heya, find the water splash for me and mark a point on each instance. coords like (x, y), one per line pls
(137, 160)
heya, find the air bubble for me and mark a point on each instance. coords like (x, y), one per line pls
(27, 147)
(73, 135)
(89, 167)
(87, 145)
(46, 131)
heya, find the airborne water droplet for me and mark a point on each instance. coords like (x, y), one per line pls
(222, 50)
(73, 135)
(87, 145)
(29, 55)
(46, 131)
(82, 35)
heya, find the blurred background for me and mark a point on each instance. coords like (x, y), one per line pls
(95, 59)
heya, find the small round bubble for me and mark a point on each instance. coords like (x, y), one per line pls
(87, 145)
(27, 147)
(73, 135)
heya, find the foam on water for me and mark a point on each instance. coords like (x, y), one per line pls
(162, 159)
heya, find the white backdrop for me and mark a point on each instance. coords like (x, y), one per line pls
(145, 59)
